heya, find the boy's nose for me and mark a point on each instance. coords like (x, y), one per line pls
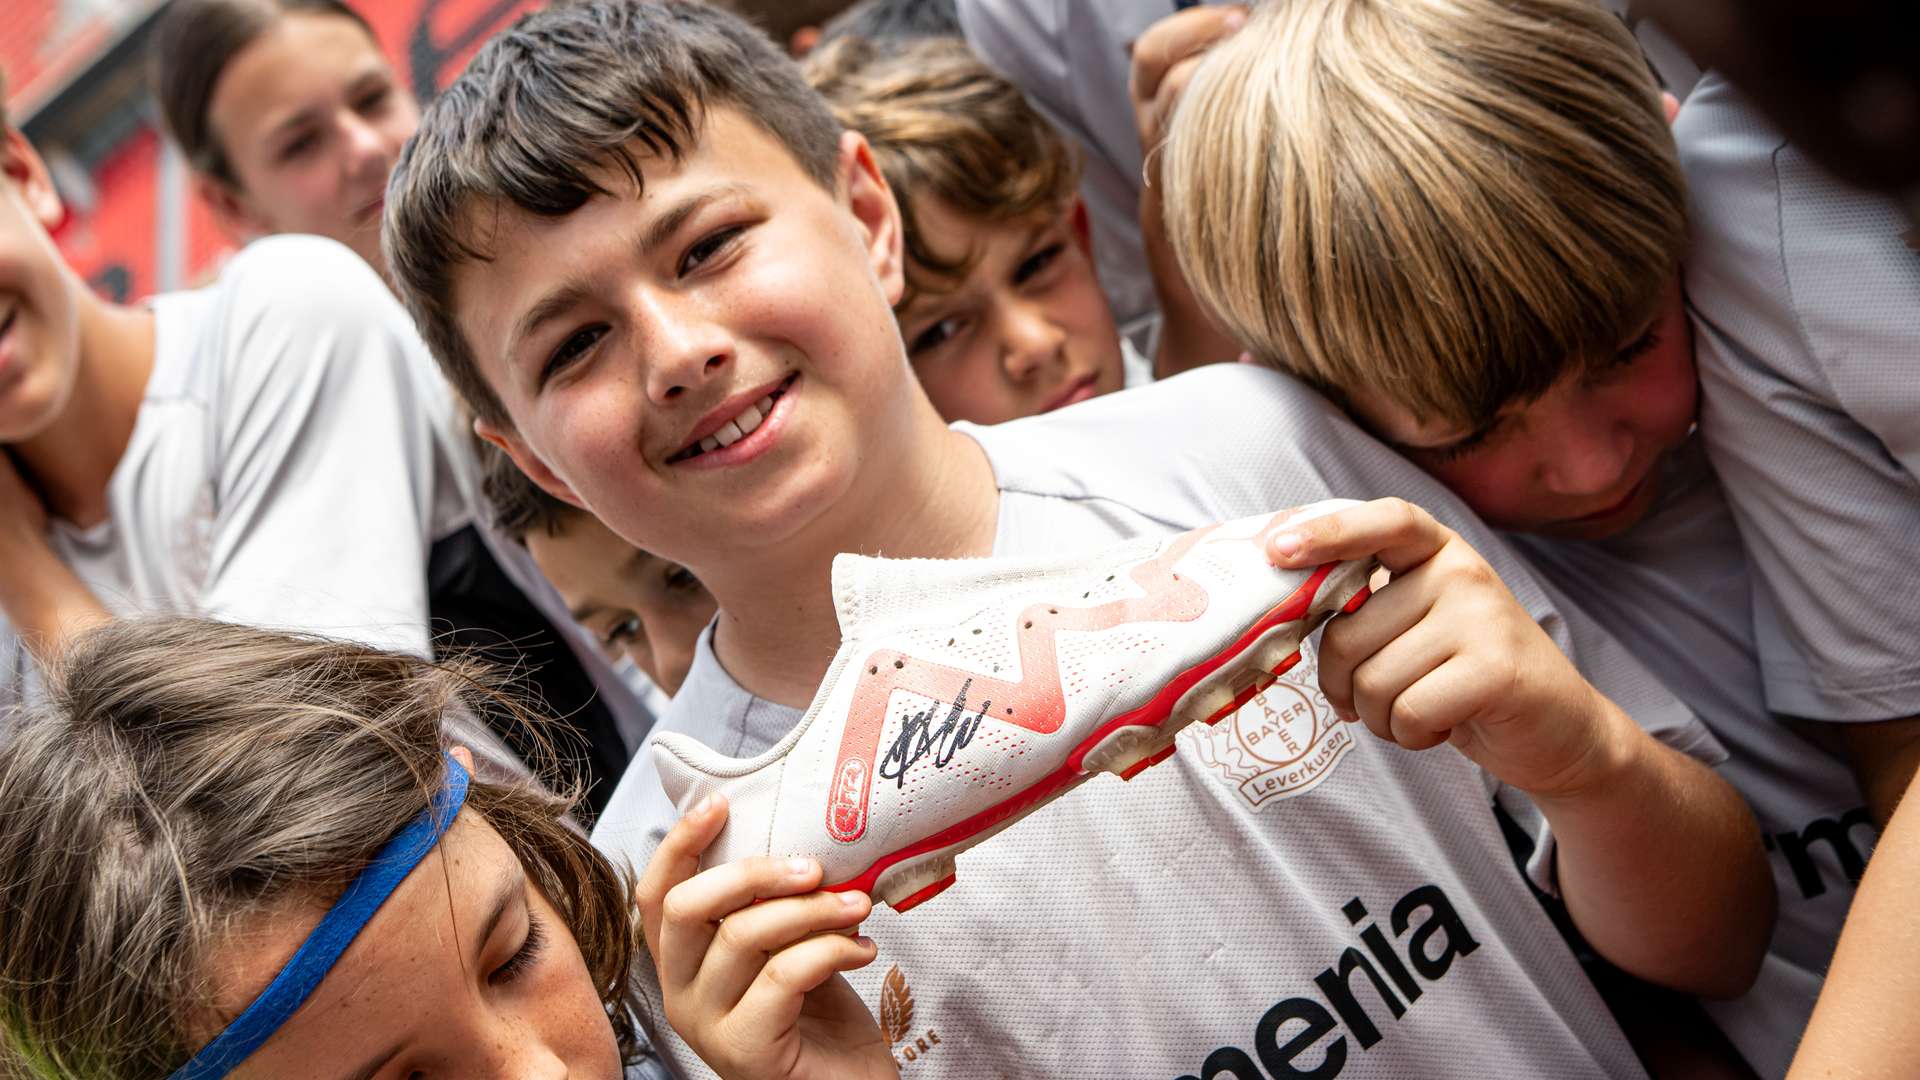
(1590, 455)
(680, 350)
(1031, 341)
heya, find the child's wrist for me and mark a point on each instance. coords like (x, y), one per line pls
(1613, 751)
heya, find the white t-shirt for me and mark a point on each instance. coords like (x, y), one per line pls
(1342, 903)
(295, 456)
(1674, 589)
(1806, 303)
(287, 466)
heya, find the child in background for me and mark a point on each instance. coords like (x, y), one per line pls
(1003, 316)
(291, 118)
(1497, 296)
(694, 244)
(634, 604)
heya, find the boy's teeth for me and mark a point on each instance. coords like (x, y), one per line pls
(729, 434)
(709, 443)
(748, 419)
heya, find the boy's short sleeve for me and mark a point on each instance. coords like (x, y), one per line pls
(1806, 303)
(329, 488)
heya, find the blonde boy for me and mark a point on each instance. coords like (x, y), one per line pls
(1464, 221)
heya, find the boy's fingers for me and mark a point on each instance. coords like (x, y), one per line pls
(692, 912)
(1351, 640)
(1177, 37)
(747, 937)
(774, 1000)
(676, 860)
(1394, 531)
(1384, 680)
(1427, 713)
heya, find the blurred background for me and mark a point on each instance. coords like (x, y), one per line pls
(77, 84)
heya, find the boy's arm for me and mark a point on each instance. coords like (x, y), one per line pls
(43, 599)
(1659, 860)
(1164, 58)
(1862, 1027)
(328, 477)
(1884, 756)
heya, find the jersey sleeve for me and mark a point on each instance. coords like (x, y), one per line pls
(325, 492)
(1806, 303)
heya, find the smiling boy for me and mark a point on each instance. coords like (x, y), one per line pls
(691, 245)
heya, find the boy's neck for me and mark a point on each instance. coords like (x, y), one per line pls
(72, 461)
(777, 631)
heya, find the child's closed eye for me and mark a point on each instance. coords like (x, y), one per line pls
(524, 957)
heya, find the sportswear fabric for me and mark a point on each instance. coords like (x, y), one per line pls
(1286, 888)
(1674, 589)
(1806, 302)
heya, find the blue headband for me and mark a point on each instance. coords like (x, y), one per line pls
(341, 924)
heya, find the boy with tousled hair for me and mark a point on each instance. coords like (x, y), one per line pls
(1464, 220)
(690, 248)
(1003, 316)
(631, 602)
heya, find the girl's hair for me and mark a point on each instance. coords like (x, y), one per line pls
(183, 775)
(192, 44)
(1452, 203)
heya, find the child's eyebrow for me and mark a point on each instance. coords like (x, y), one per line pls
(657, 233)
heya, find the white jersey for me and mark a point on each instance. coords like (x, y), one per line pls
(1674, 589)
(294, 458)
(1288, 893)
(1806, 302)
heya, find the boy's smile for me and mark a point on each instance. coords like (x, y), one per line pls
(708, 367)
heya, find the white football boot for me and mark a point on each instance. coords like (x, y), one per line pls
(969, 692)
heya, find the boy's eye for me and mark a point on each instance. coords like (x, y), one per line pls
(1037, 262)
(529, 951)
(624, 630)
(1641, 346)
(299, 146)
(934, 336)
(574, 347)
(707, 247)
(1452, 452)
(681, 579)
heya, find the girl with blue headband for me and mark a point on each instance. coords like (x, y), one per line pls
(231, 851)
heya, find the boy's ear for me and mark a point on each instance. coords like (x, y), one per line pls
(1082, 226)
(462, 755)
(871, 201)
(529, 463)
(1670, 105)
(230, 208)
(27, 171)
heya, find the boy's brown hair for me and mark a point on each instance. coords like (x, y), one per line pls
(943, 126)
(547, 106)
(1449, 203)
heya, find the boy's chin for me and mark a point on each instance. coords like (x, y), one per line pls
(1605, 523)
